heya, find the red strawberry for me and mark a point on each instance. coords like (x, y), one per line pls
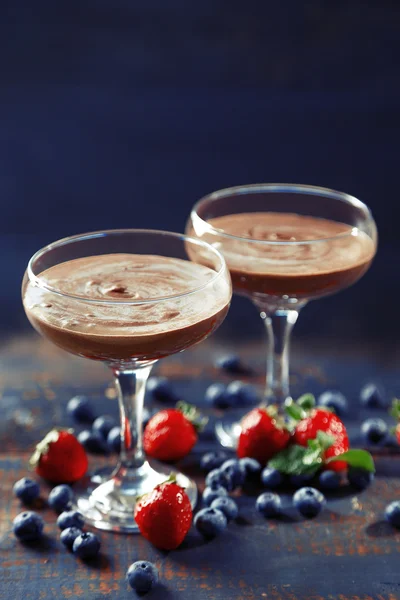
(323, 420)
(262, 436)
(59, 457)
(164, 515)
(171, 433)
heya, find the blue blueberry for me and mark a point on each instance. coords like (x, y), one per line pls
(374, 430)
(70, 518)
(212, 460)
(335, 401)
(210, 494)
(231, 363)
(114, 440)
(93, 442)
(216, 478)
(142, 576)
(271, 478)
(60, 497)
(69, 535)
(161, 389)
(371, 396)
(103, 425)
(86, 545)
(309, 502)
(210, 522)
(251, 467)
(359, 478)
(242, 394)
(81, 410)
(329, 480)
(392, 513)
(269, 504)
(28, 526)
(27, 490)
(213, 478)
(216, 396)
(227, 506)
(300, 480)
(234, 472)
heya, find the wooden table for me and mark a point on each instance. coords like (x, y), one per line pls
(348, 552)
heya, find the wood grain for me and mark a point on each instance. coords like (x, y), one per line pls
(347, 553)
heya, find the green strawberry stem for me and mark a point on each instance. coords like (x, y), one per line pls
(43, 446)
(395, 409)
(192, 414)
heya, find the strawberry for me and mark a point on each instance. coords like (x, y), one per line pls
(320, 419)
(164, 515)
(262, 435)
(171, 433)
(59, 457)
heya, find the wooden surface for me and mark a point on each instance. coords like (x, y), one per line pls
(348, 552)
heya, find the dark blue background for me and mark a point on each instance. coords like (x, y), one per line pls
(124, 113)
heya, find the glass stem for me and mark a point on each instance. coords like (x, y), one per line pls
(279, 324)
(131, 386)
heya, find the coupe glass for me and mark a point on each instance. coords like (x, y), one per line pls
(126, 298)
(278, 271)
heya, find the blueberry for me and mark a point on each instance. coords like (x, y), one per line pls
(227, 506)
(80, 410)
(300, 480)
(213, 478)
(70, 518)
(216, 396)
(86, 545)
(329, 480)
(210, 522)
(210, 494)
(234, 472)
(69, 535)
(392, 513)
(251, 466)
(93, 442)
(371, 396)
(26, 490)
(212, 460)
(269, 504)
(160, 388)
(309, 502)
(241, 394)
(360, 478)
(335, 401)
(28, 526)
(216, 478)
(103, 425)
(271, 478)
(231, 363)
(114, 440)
(142, 576)
(374, 430)
(60, 497)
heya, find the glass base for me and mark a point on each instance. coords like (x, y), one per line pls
(110, 503)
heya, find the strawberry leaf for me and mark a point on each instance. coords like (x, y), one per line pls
(296, 460)
(395, 409)
(301, 460)
(306, 401)
(295, 412)
(356, 458)
(192, 414)
(325, 440)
